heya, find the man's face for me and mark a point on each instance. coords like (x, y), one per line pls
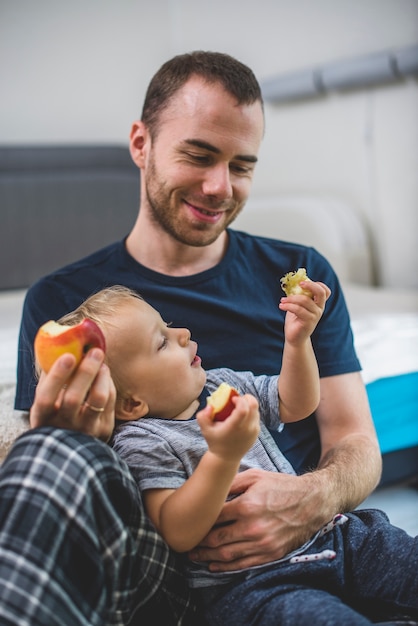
(198, 169)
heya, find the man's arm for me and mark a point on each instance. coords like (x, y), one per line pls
(350, 454)
(276, 513)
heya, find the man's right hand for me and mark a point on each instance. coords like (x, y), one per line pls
(81, 399)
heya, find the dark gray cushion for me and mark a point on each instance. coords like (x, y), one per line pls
(59, 203)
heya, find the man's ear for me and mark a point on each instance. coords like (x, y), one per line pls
(138, 137)
(128, 409)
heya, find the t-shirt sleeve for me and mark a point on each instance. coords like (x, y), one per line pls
(332, 339)
(264, 388)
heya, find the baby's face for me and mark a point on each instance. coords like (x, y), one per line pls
(153, 361)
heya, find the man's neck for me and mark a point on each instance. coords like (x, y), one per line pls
(158, 251)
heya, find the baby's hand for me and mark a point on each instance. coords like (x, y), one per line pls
(232, 438)
(303, 312)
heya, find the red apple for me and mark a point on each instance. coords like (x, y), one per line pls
(221, 401)
(54, 339)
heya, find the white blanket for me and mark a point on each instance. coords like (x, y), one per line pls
(386, 344)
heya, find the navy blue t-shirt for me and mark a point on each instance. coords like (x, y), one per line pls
(231, 310)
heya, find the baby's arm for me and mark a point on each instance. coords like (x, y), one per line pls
(185, 515)
(298, 383)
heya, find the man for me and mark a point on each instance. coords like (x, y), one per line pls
(196, 146)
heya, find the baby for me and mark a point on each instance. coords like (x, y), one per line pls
(162, 387)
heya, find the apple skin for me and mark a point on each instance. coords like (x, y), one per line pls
(221, 401)
(54, 339)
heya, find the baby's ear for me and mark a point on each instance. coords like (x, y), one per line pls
(128, 409)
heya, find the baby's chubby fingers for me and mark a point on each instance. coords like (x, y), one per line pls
(321, 292)
(244, 422)
(245, 406)
(249, 415)
(237, 432)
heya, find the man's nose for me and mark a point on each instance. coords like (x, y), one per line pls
(217, 182)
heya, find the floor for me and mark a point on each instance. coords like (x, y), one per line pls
(400, 502)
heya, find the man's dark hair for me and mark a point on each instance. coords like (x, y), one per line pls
(214, 67)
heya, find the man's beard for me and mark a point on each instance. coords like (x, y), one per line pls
(164, 215)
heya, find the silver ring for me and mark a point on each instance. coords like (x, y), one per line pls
(96, 409)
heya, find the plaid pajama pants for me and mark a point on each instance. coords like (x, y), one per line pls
(75, 545)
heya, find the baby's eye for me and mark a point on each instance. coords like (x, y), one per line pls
(163, 343)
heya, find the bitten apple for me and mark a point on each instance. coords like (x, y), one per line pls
(54, 339)
(221, 401)
(290, 283)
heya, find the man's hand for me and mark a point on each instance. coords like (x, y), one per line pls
(80, 398)
(271, 515)
(274, 513)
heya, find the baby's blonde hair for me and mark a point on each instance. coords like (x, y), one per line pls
(101, 305)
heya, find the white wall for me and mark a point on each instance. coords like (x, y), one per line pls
(77, 72)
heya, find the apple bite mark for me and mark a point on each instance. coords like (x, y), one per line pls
(290, 283)
(54, 339)
(221, 401)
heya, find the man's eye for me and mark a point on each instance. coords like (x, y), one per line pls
(202, 159)
(242, 169)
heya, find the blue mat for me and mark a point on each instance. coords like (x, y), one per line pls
(394, 406)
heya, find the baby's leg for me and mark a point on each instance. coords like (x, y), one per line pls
(284, 605)
(381, 564)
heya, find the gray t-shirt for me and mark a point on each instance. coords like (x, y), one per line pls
(163, 453)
